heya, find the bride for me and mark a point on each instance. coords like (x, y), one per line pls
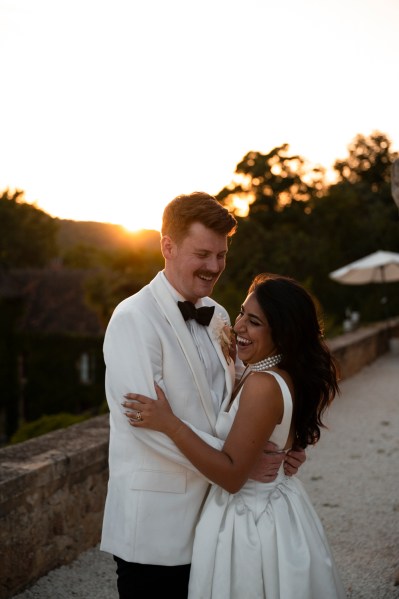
(260, 540)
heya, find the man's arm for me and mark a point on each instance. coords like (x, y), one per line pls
(133, 358)
(265, 470)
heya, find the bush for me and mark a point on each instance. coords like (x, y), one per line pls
(46, 424)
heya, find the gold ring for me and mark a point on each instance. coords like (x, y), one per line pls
(138, 416)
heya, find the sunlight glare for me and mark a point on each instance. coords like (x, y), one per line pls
(143, 220)
(241, 207)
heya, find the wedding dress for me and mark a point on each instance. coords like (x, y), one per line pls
(266, 541)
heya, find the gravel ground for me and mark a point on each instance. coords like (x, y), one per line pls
(352, 477)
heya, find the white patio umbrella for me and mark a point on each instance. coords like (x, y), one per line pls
(379, 267)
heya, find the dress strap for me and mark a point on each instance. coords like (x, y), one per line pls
(282, 430)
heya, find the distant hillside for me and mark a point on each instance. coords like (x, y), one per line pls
(104, 236)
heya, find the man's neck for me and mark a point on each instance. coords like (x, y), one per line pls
(194, 301)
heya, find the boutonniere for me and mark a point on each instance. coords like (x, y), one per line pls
(224, 335)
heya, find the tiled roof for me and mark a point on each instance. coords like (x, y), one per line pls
(53, 301)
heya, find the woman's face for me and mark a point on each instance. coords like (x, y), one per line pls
(254, 338)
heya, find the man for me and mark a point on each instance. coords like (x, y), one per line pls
(154, 494)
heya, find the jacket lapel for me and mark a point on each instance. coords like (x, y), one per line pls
(229, 367)
(169, 308)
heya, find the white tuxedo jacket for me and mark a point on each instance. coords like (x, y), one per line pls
(154, 493)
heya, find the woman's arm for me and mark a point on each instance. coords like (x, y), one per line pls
(260, 409)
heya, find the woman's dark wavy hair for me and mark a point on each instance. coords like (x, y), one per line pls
(292, 316)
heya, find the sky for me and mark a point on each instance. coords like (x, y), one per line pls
(111, 108)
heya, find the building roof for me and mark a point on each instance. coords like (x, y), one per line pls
(53, 301)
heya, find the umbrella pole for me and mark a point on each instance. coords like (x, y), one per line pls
(384, 300)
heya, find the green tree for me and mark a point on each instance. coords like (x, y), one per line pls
(46, 424)
(84, 256)
(369, 161)
(268, 182)
(365, 177)
(28, 236)
(300, 227)
(126, 272)
(360, 217)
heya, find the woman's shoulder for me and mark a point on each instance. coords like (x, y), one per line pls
(269, 382)
(260, 383)
(262, 395)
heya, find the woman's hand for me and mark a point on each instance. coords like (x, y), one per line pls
(144, 412)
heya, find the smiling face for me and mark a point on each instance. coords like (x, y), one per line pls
(194, 264)
(254, 337)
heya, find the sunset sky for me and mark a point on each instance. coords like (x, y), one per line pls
(110, 108)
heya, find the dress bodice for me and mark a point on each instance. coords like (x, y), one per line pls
(281, 431)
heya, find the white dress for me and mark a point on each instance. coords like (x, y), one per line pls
(266, 541)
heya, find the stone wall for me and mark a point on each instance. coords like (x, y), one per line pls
(52, 492)
(52, 488)
(355, 350)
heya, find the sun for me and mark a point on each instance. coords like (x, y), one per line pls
(145, 216)
(141, 223)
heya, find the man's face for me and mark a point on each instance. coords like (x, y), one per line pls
(194, 264)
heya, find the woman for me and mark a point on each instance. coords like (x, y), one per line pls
(256, 539)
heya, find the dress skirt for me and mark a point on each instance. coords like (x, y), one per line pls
(266, 541)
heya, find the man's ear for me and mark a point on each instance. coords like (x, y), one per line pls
(167, 247)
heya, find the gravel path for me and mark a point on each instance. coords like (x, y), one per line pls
(352, 477)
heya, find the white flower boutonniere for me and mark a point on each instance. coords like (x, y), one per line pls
(224, 335)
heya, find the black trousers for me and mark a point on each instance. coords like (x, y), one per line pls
(146, 581)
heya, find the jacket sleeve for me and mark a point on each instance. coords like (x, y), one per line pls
(133, 359)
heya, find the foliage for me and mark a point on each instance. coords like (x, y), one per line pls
(10, 309)
(83, 256)
(46, 424)
(28, 236)
(317, 230)
(369, 161)
(126, 273)
(53, 378)
(105, 237)
(267, 182)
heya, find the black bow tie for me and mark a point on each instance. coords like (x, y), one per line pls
(201, 315)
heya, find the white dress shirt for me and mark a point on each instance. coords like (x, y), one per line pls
(206, 351)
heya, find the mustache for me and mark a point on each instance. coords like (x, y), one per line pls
(208, 273)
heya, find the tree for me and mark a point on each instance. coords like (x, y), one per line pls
(126, 272)
(360, 217)
(369, 161)
(27, 234)
(268, 182)
(298, 226)
(364, 179)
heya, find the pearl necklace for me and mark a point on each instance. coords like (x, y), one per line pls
(266, 363)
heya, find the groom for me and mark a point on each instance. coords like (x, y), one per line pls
(154, 493)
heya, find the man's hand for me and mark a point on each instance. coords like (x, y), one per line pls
(266, 468)
(294, 459)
